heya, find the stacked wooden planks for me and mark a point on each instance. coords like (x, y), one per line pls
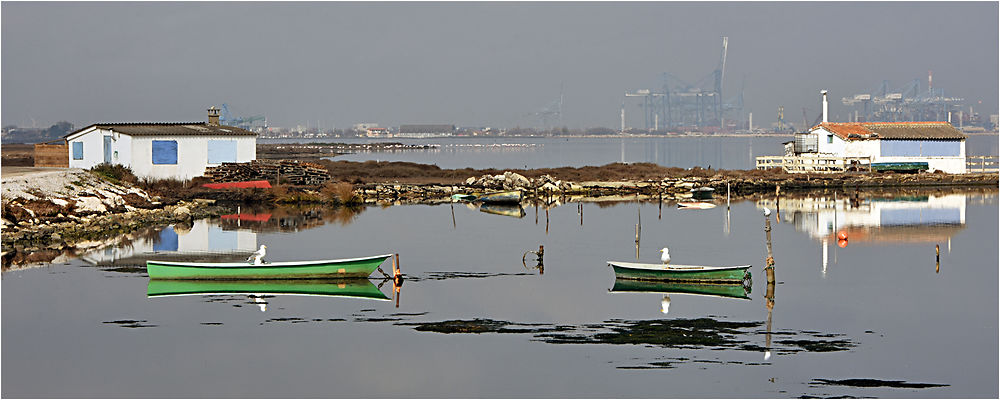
(290, 171)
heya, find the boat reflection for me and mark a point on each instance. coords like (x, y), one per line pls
(508, 210)
(667, 288)
(352, 288)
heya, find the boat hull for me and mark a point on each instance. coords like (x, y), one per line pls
(329, 269)
(358, 288)
(513, 196)
(682, 273)
(735, 290)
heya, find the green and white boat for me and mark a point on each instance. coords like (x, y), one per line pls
(674, 272)
(735, 290)
(356, 288)
(328, 269)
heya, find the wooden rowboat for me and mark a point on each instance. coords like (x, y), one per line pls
(356, 288)
(336, 269)
(673, 272)
(695, 205)
(511, 196)
(736, 290)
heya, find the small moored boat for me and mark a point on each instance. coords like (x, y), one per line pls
(736, 290)
(356, 288)
(673, 272)
(510, 196)
(342, 268)
(695, 205)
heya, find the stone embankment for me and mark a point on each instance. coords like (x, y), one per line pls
(74, 208)
(545, 188)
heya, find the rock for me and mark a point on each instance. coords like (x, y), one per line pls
(470, 181)
(89, 204)
(549, 187)
(182, 212)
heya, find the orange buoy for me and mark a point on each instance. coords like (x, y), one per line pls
(842, 243)
(842, 235)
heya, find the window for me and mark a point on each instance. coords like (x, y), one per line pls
(220, 151)
(829, 138)
(165, 152)
(77, 150)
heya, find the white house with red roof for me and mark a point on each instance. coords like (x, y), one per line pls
(938, 144)
(907, 145)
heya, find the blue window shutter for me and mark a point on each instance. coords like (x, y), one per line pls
(165, 152)
(77, 150)
(220, 151)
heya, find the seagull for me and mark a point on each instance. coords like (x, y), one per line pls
(767, 212)
(258, 255)
(666, 255)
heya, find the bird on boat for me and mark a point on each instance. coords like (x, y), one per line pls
(665, 257)
(258, 256)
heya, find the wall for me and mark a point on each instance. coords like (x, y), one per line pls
(93, 148)
(192, 155)
(52, 155)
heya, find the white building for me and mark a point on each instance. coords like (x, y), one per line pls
(162, 150)
(938, 144)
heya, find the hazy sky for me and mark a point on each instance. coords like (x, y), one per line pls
(473, 64)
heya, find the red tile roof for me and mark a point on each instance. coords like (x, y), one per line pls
(892, 130)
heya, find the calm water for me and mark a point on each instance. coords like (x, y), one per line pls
(878, 309)
(683, 152)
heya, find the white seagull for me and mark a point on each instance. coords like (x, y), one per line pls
(767, 212)
(666, 255)
(258, 255)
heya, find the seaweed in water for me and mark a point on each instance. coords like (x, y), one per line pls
(819, 346)
(667, 333)
(463, 326)
(871, 383)
(128, 323)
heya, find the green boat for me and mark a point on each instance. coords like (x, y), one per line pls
(728, 290)
(900, 166)
(337, 269)
(673, 272)
(357, 288)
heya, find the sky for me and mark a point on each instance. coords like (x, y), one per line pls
(473, 63)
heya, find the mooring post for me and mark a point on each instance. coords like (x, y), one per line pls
(453, 224)
(769, 302)
(937, 267)
(727, 195)
(769, 262)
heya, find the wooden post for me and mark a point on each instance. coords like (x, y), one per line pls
(546, 221)
(769, 302)
(453, 224)
(937, 268)
(769, 262)
(727, 195)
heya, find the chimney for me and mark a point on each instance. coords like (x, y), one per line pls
(826, 106)
(213, 116)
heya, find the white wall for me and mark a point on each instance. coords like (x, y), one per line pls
(835, 148)
(192, 155)
(951, 165)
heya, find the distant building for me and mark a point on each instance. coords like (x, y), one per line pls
(426, 130)
(938, 144)
(378, 132)
(162, 150)
(364, 126)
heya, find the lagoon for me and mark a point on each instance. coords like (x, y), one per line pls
(876, 316)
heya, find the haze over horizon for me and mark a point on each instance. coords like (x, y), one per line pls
(471, 63)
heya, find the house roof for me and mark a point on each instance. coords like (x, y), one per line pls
(168, 129)
(892, 130)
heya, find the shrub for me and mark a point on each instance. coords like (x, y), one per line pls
(115, 173)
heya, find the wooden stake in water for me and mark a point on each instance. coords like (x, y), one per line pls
(769, 262)
(937, 267)
(727, 196)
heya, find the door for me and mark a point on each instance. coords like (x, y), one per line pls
(107, 149)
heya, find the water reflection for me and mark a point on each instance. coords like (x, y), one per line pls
(730, 291)
(354, 288)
